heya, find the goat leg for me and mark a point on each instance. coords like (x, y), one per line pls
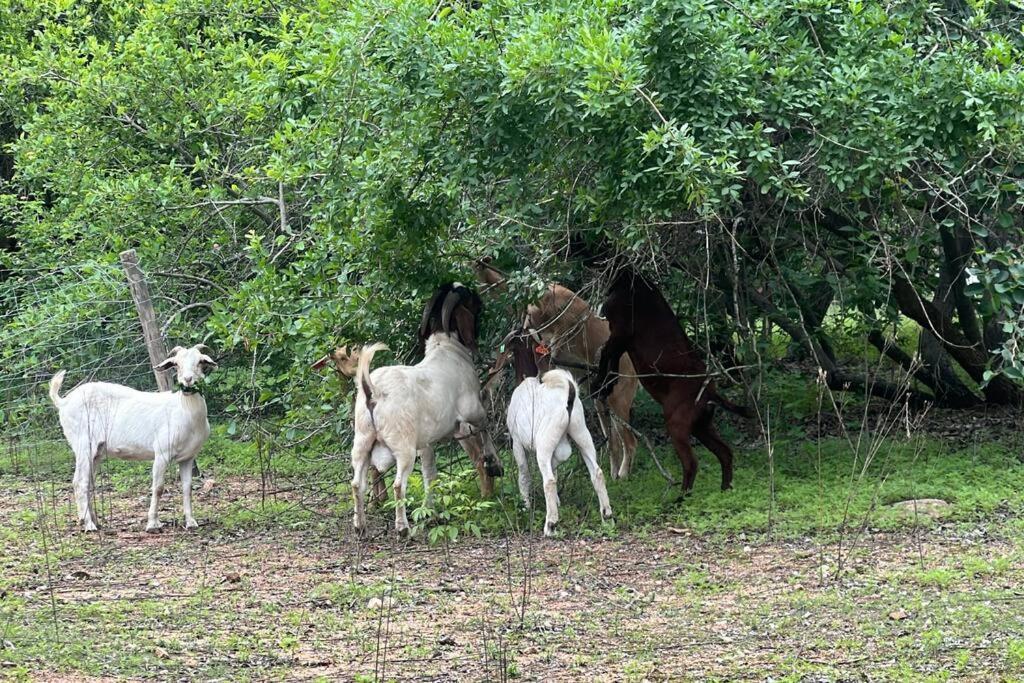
(609, 365)
(380, 489)
(185, 473)
(159, 471)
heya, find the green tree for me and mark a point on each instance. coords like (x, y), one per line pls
(299, 174)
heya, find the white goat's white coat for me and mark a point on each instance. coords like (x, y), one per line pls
(101, 419)
(539, 420)
(414, 407)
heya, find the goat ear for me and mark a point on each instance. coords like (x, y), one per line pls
(208, 361)
(168, 363)
(465, 325)
(453, 299)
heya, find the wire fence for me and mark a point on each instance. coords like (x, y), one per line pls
(77, 318)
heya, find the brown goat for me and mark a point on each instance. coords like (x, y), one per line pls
(575, 335)
(669, 367)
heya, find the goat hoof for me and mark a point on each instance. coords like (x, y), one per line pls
(154, 527)
(403, 533)
(191, 524)
(727, 487)
(494, 470)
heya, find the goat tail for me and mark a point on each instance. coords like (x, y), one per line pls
(55, 384)
(363, 371)
(556, 379)
(742, 411)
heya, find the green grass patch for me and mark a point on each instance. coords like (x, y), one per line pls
(804, 488)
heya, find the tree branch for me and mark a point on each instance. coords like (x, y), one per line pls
(958, 397)
(836, 378)
(973, 359)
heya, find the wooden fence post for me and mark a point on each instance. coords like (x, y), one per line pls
(150, 330)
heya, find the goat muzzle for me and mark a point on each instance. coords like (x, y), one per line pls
(493, 466)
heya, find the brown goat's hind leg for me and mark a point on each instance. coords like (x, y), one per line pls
(610, 429)
(686, 458)
(708, 435)
(380, 491)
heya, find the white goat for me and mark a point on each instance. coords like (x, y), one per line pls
(103, 419)
(542, 416)
(404, 408)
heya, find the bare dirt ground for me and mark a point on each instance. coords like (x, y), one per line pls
(265, 602)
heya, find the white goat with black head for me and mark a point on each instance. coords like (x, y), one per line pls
(402, 409)
(101, 419)
(544, 413)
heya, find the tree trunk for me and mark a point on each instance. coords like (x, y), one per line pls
(814, 305)
(935, 361)
(836, 378)
(971, 357)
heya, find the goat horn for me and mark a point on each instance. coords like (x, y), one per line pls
(427, 311)
(204, 348)
(175, 350)
(453, 299)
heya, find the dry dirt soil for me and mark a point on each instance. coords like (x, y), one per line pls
(256, 600)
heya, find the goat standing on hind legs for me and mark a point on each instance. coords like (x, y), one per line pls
(457, 309)
(402, 410)
(643, 325)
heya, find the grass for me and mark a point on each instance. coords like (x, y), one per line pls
(803, 487)
(807, 488)
(803, 570)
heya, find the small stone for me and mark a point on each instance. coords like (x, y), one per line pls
(928, 507)
(897, 615)
(374, 604)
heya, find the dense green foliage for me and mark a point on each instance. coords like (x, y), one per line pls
(320, 167)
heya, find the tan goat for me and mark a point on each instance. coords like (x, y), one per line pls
(346, 363)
